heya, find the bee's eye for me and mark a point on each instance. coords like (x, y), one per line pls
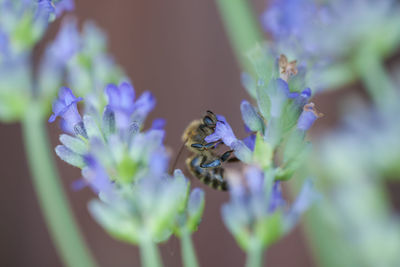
(208, 121)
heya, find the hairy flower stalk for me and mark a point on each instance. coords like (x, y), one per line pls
(360, 26)
(127, 167)
(256, 214)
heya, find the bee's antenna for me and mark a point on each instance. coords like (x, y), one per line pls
(171, 171)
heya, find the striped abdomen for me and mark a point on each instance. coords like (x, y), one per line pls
(210, 176)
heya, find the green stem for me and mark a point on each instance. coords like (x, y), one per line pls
(255, 254)
(378, 83)
(149, 254)
(242, 27)
(52, 200)
(188, 252)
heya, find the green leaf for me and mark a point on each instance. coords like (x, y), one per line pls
(76, 145)
(92, 129)
(294, 145)
(70, 157)
(263, 100)
(263, 153)
(270, 230)
(263, 62)
(251, 118)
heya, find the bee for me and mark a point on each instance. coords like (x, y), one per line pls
(205, 164)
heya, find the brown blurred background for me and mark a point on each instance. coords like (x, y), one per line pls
(179, 51)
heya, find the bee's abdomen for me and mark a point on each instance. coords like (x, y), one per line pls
(212, 177)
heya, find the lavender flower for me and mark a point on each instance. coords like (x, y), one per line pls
(127, 168)
(63, 6)
(66, 44)
(121, 102)
(22, 24)
(66, 107)
(281, 104)
(91, 69)
(257, 212)
(57, 56)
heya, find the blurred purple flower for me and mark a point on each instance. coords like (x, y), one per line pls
(195, 201)
(158, 124)
(285, 18)
(44, 10)
(276, 197)
(159, 162)
(66, 44)
(4, 43)
(64, 5)
(65, 106)
(253, 207)
(253, 190)
(145, 103)
(288, 21)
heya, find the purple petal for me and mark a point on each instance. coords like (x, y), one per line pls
(307, 117)
(64, 5)
(66, 44)
(159, 162)
(222, 131)
(145, 103)
(97, 176)
(65, 106)
(250, 141)
(79, 184)
(282, 86)
(276, 197)
(158, 124)
(113, 95)
(255, 180)
(127, 95)
(195, 202)
(306, 93)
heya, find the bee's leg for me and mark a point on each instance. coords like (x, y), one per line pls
(217, 162)
(208, 122)
(211, 145)
(198, 146)
(202, 147)
(211, 164)
(226, 156)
